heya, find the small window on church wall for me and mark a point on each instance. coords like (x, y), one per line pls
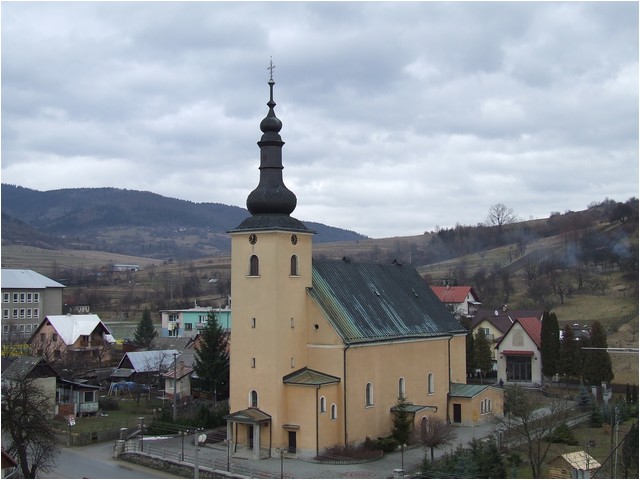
(431, 388)
(253, 399)
(323, 405)
(368, 394)
(401, 388)
(253, 362)
(334, 411)
(294, 265)
(253, 322)
(254, 266)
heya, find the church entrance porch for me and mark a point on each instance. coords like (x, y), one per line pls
(249, 434)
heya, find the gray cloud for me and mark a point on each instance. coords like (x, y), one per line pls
(397, 116)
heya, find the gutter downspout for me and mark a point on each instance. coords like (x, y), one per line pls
(449, 375)
(344, 396)
(317, 422)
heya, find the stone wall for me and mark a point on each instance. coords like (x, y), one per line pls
(182, 470)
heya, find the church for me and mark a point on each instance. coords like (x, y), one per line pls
(321, 351)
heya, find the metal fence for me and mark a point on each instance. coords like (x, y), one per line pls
(187, 457)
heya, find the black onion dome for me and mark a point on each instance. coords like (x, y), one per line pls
(271, 123)
(271, 195)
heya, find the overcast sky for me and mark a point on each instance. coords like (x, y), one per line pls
(398, 118)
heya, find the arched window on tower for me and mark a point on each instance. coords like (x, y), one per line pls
(401, 388)
(253, 399)
(254, 266)
(323, 404)
(294, 266)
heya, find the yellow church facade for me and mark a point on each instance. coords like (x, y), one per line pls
(321, 351)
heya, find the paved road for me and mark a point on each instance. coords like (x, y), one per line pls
(216, 456)
(95, 461)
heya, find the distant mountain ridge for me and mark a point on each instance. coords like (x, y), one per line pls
(127, 221)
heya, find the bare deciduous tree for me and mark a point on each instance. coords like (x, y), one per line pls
(501, 216)
(528, 419)
(435, 432)
(25, 424)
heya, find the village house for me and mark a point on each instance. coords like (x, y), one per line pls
(75, 341)
(36, 370)
(144, 367)
(462, 301)
(322, 350)
(189, 322)
(177, 382)
(76, 398)
(495, 323)
(518, 351)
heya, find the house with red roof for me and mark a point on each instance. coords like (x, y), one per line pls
(462, 301)
(518, 352)
(494, 323)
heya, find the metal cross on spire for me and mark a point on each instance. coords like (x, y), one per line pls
(270, 68)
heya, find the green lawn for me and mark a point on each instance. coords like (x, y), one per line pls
(126, 415)
(602, 438)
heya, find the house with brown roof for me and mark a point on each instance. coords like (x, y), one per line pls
(177, 382)
(518, 352)
(37, 371)
(462, 301)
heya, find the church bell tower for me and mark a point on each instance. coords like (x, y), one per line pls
(271, 255)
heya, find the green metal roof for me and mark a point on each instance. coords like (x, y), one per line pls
(465, 390)
(411, 408)
(368, 302)
(307, 376)
(249, 415)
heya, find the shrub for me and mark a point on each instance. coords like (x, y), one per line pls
(562, 434)
(386, 444)
(350, 452)
(108, 403)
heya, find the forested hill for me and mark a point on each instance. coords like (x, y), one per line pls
(127, 221)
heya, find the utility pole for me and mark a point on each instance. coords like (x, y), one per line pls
(175, 385)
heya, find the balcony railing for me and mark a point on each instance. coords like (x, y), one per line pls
(88, 407)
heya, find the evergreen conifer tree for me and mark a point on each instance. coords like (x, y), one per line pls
(145, 331)
(569, 357)
(597, 365)
(482, 353)
(402, 421)
(211, 361)
(550, 344)
(471, 361)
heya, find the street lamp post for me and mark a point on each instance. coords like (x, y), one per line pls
(141, 421)
(402, 456)
(280, 451)
(182, 433)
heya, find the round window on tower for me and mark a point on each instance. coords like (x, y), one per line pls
(294, 239)
(253, 239)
